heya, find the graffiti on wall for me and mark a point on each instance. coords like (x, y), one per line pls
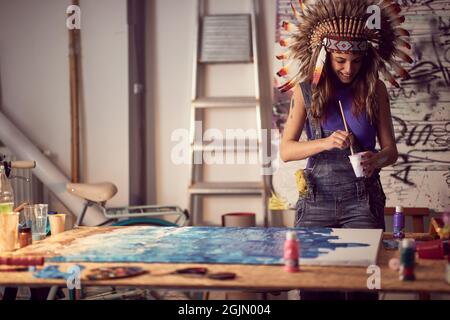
(420, 111)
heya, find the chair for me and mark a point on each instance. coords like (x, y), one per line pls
(417, 215)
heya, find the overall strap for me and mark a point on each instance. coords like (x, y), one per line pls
(314, 124)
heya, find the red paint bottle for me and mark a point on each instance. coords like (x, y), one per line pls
(291, 252)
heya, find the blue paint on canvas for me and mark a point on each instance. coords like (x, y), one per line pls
(198, 245)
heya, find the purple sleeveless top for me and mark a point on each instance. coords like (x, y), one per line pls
(360, 126)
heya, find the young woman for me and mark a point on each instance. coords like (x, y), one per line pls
(336, 197)
(339, 50)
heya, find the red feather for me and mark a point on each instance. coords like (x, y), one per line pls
(403, 56)
(402, 32)
(302, 5)
(399, 70)
(285, 42)
(393, 9)
(319, 67)
(389, 77)
(398, 20)
(287, 86)
(403, 43)
(288, 26)
(282, 72)
(281, 56)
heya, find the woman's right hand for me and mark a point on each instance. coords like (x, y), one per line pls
(339, 139)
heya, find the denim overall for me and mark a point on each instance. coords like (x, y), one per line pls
(336, 198)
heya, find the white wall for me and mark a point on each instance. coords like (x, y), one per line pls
(34, 83)
(105, 74)
(170, 81)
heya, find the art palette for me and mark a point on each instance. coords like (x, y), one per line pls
(108, 273)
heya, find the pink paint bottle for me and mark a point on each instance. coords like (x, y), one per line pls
(291, 252)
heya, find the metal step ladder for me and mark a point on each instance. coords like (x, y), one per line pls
(222, 39)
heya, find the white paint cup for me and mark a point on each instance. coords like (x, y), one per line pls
(355, 160)
(57, 223)
(9, 231)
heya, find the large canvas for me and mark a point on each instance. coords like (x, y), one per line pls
(318, 246)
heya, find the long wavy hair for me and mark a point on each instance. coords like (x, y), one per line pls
(363, 88)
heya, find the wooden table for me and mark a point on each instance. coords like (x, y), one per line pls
(429, 273)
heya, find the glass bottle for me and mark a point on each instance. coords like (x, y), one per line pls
(6, 193)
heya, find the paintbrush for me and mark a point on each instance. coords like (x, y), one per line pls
(345, 125)
(19, 208)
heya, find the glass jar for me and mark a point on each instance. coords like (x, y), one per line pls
(25, 237)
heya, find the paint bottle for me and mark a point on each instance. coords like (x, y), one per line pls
(407, 260)
(399, 223)
(291, 252)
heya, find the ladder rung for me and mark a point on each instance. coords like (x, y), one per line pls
(236, 146)
(227, 60)
(226, 102)
(227, 188)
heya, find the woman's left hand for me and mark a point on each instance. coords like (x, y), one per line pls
(369, 161)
